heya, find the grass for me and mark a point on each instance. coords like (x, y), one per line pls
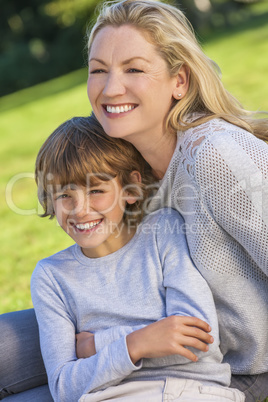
(29, 116)
(241, 55)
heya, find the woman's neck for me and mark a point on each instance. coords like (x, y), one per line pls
(158, 153)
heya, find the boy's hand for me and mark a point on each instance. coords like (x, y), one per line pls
(169, 336)
(85, 345)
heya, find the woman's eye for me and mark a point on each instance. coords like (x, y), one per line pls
(97, 71)
(134, 70)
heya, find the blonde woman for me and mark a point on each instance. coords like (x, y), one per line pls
(151, 84)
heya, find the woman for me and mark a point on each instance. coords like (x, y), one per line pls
(150, 84)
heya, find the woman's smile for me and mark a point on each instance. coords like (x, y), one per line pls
(129, 86)
(118, 109)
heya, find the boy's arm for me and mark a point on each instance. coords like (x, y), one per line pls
(187, 295)
(189, 331)
(68, 376)
(188, 298)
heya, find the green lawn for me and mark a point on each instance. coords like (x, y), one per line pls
(25, 237)
(242, 57)
(29, 116)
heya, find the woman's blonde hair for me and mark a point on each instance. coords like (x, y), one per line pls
(79, 152)
(174, 39)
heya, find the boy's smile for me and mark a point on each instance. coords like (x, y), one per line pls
(93, 216)
(86, 227)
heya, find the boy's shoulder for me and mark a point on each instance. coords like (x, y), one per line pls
(161, 213)
(163, 219)
(167, 228)
(59, 257)
(54, 265)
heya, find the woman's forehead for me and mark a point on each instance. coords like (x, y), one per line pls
(127, 39)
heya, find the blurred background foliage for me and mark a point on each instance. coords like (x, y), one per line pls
(43, 39)
(40, 40)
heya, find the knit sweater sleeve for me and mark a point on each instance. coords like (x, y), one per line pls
(68, 376)
(231, 172)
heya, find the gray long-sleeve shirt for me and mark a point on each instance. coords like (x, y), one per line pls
(218, 180)
(148, 279)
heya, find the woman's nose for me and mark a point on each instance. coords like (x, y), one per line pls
(114, 85)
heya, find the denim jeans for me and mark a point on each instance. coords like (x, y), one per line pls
(255, 387)
(22, 370)
(38, 394)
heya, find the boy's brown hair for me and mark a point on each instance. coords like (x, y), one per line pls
(78, 149)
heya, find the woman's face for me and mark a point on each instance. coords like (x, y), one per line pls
(129, 86)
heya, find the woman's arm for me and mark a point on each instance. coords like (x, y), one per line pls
(231, 171)
(68, 376)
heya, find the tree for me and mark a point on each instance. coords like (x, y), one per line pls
(41, 39)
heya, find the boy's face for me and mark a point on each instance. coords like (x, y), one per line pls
(93, 216)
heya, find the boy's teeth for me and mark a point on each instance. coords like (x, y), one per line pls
(119, 109)
(90, 225)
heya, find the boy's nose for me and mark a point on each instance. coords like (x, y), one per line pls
(81, 206)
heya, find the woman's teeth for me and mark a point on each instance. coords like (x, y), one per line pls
(119, 109)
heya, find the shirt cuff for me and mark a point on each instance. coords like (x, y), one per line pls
(122, 362)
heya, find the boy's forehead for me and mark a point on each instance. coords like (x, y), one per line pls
(93, 181)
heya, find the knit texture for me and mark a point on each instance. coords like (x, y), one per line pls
(218, 180)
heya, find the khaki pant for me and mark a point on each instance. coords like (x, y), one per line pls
(172, 389)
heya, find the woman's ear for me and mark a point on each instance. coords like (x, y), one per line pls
(182, 84)
(133, 190)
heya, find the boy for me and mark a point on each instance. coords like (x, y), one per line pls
(128, 292)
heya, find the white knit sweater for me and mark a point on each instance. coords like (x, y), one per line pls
(218, 180)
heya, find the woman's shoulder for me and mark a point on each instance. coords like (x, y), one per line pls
(218, 139)
(196, 137)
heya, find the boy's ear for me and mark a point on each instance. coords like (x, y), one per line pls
(135, 180)
(135, 177)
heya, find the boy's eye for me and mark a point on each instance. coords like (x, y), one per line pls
(60, 196)
(96, 191)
